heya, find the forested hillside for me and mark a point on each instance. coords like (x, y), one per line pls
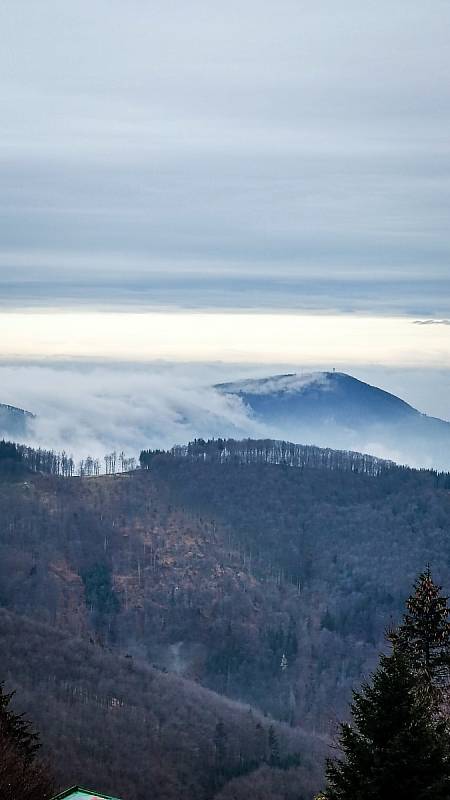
(268, 583)
(119, 724)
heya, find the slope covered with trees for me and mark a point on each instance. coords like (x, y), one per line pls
(267, 580)
(116, 723)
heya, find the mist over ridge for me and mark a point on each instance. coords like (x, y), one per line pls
(91, 409)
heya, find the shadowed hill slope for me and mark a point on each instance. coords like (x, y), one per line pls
(116, 723)
(267, 583)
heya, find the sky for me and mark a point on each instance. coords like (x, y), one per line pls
(258, 183)
(297, 149)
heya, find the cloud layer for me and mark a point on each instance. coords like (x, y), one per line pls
(89, 408)
(93, 409)
(225, 155)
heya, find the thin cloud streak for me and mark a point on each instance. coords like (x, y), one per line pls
(258, 293)
(432, 322)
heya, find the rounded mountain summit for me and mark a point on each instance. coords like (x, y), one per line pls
(333, 409)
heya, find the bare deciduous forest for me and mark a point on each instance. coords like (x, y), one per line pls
(196, 627)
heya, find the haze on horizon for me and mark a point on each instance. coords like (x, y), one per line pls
(247, 185)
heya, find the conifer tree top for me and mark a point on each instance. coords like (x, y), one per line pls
(425, 633)
(398, 743)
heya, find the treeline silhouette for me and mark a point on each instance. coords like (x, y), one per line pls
(14, 457)
(270, 451)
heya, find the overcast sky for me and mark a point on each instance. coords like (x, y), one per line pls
(260, 185)
(278, 155)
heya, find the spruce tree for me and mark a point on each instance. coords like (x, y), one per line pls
(21, 774)
(16, 728)
(394, 748)
(424, 635)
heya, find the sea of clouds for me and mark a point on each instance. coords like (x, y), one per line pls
(94, 408)
(88, 407)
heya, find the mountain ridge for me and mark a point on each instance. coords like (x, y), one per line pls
(336, 410)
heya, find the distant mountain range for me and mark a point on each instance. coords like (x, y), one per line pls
(13, 421)
(333, 409)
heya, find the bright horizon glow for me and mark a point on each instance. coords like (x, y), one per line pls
(230, 337)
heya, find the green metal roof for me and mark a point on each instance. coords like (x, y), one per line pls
(77, 793)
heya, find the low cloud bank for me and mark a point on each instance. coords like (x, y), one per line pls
(88, 408)
(93, 409)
